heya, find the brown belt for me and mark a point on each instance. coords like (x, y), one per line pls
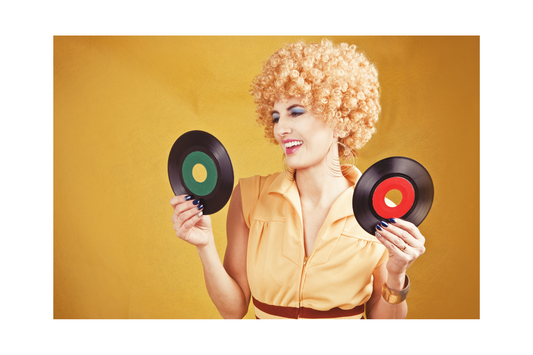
(303, 312)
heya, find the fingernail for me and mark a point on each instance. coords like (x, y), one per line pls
(200, 214)
(200, 206)
(195, 202)
(392, 220)
(384, 224)
(378, 235)
(379, 227)
(188, 197)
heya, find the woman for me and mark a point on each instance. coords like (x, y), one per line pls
(294, 246)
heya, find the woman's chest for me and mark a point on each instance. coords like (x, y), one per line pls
(312, 220)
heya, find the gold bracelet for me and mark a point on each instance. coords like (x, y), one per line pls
(393, 296)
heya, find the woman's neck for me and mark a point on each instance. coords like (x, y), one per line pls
(318, 187)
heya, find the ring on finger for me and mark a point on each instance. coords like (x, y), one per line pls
(405, 246)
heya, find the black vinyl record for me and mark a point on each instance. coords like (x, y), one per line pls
(407, 176)
(200, 149)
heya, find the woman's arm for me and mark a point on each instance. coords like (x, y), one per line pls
(377, 307)
(405, 244)
(226, 284)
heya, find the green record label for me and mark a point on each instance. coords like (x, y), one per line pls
(205, 187)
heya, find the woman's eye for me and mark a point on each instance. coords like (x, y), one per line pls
(275, 117)
(295, 112)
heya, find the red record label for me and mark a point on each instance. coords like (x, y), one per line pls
(393, 183)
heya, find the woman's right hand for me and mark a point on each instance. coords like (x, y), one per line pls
(189, 222)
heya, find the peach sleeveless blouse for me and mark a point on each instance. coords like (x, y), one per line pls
(334, 281)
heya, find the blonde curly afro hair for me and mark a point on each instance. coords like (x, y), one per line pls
(335, 82)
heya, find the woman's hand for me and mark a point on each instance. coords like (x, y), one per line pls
(404, 242)
(189, 222)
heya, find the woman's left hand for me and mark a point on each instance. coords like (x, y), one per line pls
(404, 242)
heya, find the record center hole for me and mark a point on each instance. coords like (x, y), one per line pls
(199, 173)
(393, 198)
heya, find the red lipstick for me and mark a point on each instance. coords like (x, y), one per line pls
(292, 145)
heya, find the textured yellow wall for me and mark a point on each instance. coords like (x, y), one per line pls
(121, 102)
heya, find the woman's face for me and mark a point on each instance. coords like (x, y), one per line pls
(304, 138)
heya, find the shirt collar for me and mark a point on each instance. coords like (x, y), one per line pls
(342, 207)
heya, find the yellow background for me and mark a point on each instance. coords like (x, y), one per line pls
(121, 102)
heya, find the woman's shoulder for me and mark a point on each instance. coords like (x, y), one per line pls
(256, 183)
(255, 177)
(251, 190)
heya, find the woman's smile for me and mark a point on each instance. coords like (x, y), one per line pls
(292, 145)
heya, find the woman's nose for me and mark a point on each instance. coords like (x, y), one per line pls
(282, 127)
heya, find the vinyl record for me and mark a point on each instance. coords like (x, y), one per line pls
(407, 176)
(201, 151)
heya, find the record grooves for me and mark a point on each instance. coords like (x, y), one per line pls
(407, 176)
(201, 148)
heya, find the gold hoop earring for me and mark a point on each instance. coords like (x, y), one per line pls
(348, 159)
(340, 164)
(289, 172)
